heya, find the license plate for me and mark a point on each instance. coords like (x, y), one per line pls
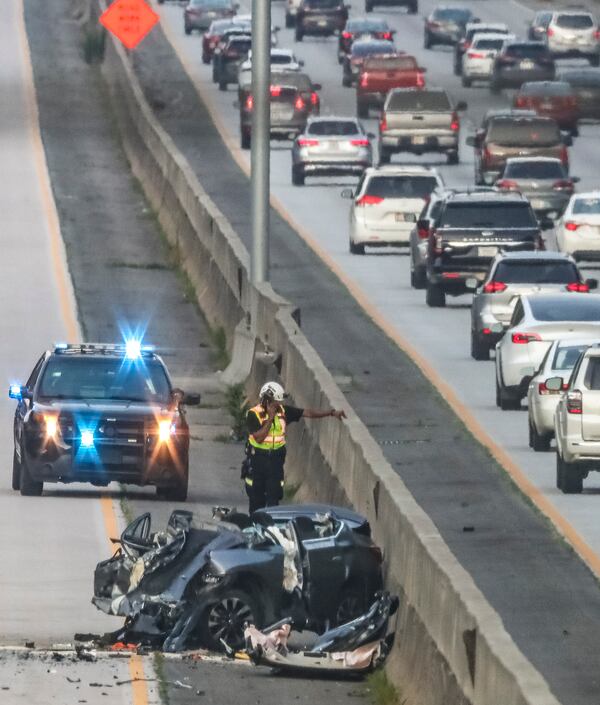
(487, 251)
(418, 140)
(526, 64)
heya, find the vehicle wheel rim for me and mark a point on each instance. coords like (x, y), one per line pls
(226, 620)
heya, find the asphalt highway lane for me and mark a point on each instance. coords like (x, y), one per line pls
(441, 337)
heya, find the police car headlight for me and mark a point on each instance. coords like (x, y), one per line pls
(166, 430)
(51, 425)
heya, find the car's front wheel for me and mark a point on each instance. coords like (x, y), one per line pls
(418, 277)
(568, 476)
(223, 622)
(505, 400)
(28, 486)
(435, 297)
(297, 176)
(356, 249)
(16, 472)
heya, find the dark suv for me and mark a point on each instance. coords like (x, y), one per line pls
(227, 59)
(519, 62)
(468, 232)
(412, 6)
(101, 413)
(320, 18)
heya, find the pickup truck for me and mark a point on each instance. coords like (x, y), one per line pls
(418, 121)
(380, 74)
(469, 231)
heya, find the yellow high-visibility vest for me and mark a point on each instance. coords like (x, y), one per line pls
(276, 437)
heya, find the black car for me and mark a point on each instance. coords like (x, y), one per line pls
(320, 18)
(446, 25)
(227, 59)
(199, 14)
(360, 51)
(200, 582)
(585, 83)
(468, 232)
(519, 62)
(362, 28)
(412, 6)
(99, 413)
(539, 25)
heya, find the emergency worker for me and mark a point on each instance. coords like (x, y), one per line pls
(267, 422)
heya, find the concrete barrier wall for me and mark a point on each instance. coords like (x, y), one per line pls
(451, 646)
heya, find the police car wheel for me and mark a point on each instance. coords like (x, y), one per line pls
(28, 486)
(224, 620)
(16, 472)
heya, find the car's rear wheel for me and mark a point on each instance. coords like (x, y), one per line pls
(28, 486)
(480, 350)
(356, 249)
(297, 176)
(289, 21)
(466, 81)
(299, 35)
(224, 620)
(384, 156)
(222, 85)
(245, 139)
(452, 157)
(505, 400)
(568, 476)
(418, 278)
(16, 472)
(435, 296)
(362, 109)
(540, 442)
(351, 605)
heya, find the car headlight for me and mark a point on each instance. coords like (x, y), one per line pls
(51, 425)
(166, 430)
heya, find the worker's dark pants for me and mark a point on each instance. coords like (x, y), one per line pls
(266, 476)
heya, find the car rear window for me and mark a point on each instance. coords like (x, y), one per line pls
(391, 63)
(591, 79)
(281, 59)
(485, 30)
(534, 170)
(488, 44)
(561, 88)
(212, 4)
(401, 186)
(366, 48)
(322, 4)
(367, 26)
(299, 80)
(583, 206)
(488, 215)
(333, 128)
(527, 51)
(574, 21)
(418, 100)
(565, 357)
(452, 14)
(566, 308)
(241, 45)
(592, 374)
(535, 271)
(512, 133)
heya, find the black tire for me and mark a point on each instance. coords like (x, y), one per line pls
(28, 486)
(427, 43)
(384, 156)
(205, 59)
(245, 139)
(299, 34)
(289, 21)
(297, 176)
(222, 85)
(495, 88)
(575, 131)
(351, 604)
(457, 66)
(356, 249)
(572, 479)
(413, 8)
(480, 350)
(188, 30)
(16, 472)
(418, 278)
(435, 296)
(466, 82)
(595, 60)
(452, 158)
(497, 394)
(560, 476)
(362, 109)
(225, 620)
(508, 402)
(539, 442)
(346, 81)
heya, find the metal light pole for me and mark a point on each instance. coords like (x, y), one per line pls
(260, 141)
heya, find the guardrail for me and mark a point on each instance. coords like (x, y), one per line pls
(451, 646)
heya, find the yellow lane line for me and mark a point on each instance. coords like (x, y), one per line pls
(65, 293)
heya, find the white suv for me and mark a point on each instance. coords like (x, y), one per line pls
(574, 33)
(577, 423)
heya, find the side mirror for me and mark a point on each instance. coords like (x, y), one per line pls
(461, 106)
(575, 179)
(191, 399)
(554, 384)
(567, 140)
(16, 391)
(592, 283)
(471, 141)
(317, 86)
(347, 193)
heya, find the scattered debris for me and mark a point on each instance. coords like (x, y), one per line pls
(73, 680)
(30, 644)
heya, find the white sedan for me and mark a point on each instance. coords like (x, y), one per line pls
(578, 231)
(537, 321)
(387, 203)
(541, 400)
(478, 59)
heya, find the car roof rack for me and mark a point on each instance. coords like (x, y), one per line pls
(115, 349)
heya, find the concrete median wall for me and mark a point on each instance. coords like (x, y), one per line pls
(451, 646)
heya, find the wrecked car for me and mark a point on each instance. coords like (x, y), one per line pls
(199, 583)
(358, 646)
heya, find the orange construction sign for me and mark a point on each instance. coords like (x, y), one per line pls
(129, 20)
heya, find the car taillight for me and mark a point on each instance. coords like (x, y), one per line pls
(579, 287)
(361, 142)
(475, 55)
(464, 45)
(369, 200)
(385, 35)
(304, 142)
(347, 35)
(494, 288)
(364, 79)
(455, 124)
(249, 103)
(436, 243)
(571, 226)
(524, 338)
(423, 233)
(299, 104)
(575, 402)
(564, 156)
(520, 101)
(383, 124)
(597, 34)
(563, 185)
(275, 91)
(420, 81)
(507, 185)
(549, 32)
(314, 98)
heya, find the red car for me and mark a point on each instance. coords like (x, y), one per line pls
(217, 30)
(379, 74)
(555, 99)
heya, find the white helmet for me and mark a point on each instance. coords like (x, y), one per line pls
(273, 390)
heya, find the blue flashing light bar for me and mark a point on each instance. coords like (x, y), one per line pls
(14, 391)
(87, 439)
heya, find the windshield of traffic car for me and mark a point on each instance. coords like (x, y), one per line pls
(488, 215)
(104, 378)
(485, 30)
(419, 100)
(488, 44)
(366, 48)
(535, 170)
(566, 308)
(574, 21)
(534, 271)
(367, 26)
(542, 19)
(333, 128)
(391, 63)
(528, 131)
(212, 4)
(322, 4)
(566, 356)
(527, 51)
(401, 186)
(559, 88)
(452, 14)
(586, 206)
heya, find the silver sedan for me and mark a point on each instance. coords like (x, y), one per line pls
(331, 146)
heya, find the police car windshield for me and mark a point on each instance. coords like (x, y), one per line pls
(105, 378)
